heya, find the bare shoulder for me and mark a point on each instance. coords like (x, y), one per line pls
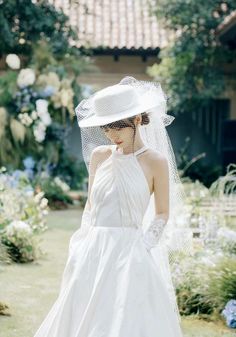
(101, 152)
(156, 160)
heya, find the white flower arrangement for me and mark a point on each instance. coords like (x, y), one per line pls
(51, 79)
(43, 203)
(19, 227)
(22, 215)
(34, 97)
(34, 115)
(64, 97)
(39, 130)
(61, 184)
(19, 241)
(25, 119)
(40, 118)
(26, 78)
(13, 61)
(41, 106)
(16, 203)
(45, 119)
(227, 234)
(226, 240)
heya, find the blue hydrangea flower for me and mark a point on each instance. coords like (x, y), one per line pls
(14, 178)
(28, 190)
(229, 313)
(47, 91)
(29, 163)
(17, 174)
(29, 173)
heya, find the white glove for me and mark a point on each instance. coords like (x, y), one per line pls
(154, 232)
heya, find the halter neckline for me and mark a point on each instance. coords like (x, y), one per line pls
(137, 152)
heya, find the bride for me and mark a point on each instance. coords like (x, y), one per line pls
(116, 281)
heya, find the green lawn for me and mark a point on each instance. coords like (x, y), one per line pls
(30, 289)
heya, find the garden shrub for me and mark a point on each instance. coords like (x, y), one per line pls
(22, 216)
(20, 242)
(222, 282)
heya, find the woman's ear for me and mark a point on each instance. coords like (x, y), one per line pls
(138, 119)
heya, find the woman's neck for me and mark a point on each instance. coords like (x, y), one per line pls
(134, 146)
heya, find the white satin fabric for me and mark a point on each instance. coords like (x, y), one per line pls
(111, 286)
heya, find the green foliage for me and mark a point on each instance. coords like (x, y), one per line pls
(4, 256)
(57, 198)
(7, 87)
(43, 38)
(19, 141)
(191, 65)
(21, 250)
(67, 66)
(225, 185)
(24, 22)
(191, 279)
(204, 287)
(192, 302)
(222, 284)
(194, 168)
(72, 171)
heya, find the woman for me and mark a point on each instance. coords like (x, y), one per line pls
(112, 285)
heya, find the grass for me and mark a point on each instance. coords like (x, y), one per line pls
(30, 289)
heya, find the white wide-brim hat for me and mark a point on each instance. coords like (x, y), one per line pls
(118, 102)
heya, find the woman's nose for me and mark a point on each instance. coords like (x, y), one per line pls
(114, 134)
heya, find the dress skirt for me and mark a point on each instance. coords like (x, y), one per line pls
(111, 287)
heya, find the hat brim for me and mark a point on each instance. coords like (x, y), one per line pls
(147, 101)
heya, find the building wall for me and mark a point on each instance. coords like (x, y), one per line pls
(108, 71)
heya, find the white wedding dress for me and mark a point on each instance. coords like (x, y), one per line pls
(111, 286)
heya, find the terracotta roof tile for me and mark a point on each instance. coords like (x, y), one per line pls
(114, 23)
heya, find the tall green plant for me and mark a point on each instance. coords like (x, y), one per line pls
(222, 283)
(191, 65)
(24, 22)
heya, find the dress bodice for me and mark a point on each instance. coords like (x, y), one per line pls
(120, 192)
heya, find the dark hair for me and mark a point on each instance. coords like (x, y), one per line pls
(127, 122)
(145, 118)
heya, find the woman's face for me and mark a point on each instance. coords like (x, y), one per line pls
(122, 133)
(122, 137)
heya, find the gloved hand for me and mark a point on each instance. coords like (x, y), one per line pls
(154, 232)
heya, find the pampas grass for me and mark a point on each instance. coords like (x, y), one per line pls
(222, 284)
(18, 130)
(3, 121)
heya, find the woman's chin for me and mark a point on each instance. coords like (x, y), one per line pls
(119, 144)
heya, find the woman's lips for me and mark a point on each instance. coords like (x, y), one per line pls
(118, 143)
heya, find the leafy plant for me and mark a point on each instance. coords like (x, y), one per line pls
(222, 283)
(191, 64)
(38, 114)
(191, 277)
(20, 242)
(24, 22)
(57, 197)
(194, 168)
(45, 44)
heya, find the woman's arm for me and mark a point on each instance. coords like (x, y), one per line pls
(159, 167)
(161, 185)
(99, 154)
(92, 170)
